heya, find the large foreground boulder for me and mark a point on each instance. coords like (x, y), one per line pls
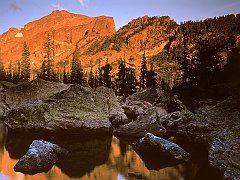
(14, 95)
(40, 157)
(76, 110)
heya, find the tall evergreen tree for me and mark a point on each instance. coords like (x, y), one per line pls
(206, 62)
(47, 68)
(76, 69)
(99, 76)
(9, 74)
(151, 77)
(25, 64)
(143, 72)
(107, 68)
(131, 81)
(16, 72)
(121, 79)
(65, 75)
(91, 76)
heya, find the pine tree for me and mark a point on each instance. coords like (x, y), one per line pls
(143, 72)
(16, 72)
(151, 77)
(25, 64)
(121, 79)
(91, 77)
(43, 70)
(131, 81)
(99, 75)
(9, 75)
(206, 62)
(65, 76)
(47, 68)
(76, 69)
(107, 68)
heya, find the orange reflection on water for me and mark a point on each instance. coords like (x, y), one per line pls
(121, 161)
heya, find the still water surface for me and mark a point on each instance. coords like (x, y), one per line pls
(105, 158)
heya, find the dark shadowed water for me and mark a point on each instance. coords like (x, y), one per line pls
(104, 158)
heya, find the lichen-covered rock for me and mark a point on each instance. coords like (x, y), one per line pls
(75, 110)
(118, 118)
(40, 157)
(156, 95)
(27, 92)
(31, 91)
(1, 87)
(132, 112)
(162, 147)
(147, 122)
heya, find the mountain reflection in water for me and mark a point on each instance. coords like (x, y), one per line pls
(89, 158)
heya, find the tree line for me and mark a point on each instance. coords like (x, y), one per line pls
(123, 82)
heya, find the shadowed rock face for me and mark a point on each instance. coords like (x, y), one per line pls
(211, 132)
(73, 110)
(162, 147)
(40, 157)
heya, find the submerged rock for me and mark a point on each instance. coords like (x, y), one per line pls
(75, 110)
(162, 147)
(40, 157)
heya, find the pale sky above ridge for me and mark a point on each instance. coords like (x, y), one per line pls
(16, 13)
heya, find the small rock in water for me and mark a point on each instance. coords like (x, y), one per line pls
(162, 146)
(40, 157)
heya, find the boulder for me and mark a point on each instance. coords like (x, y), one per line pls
(213, 131)
(75, 110)
(27, 92)
(162, 147)
(156, 95)
(118, 118)
(7, 85)
(223, 135)
(147, 122)
(1, 87)
(31, 91)
(4, 107)
(84, 152)
(133, 111)
(40, 157)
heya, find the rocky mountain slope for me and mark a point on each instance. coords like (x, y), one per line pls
(66, 29)
(96, 37)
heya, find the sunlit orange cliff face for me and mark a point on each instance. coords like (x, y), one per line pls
(96, 37)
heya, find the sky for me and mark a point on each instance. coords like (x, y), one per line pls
(16, 13)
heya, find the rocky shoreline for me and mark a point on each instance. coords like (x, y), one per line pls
(211, 130)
